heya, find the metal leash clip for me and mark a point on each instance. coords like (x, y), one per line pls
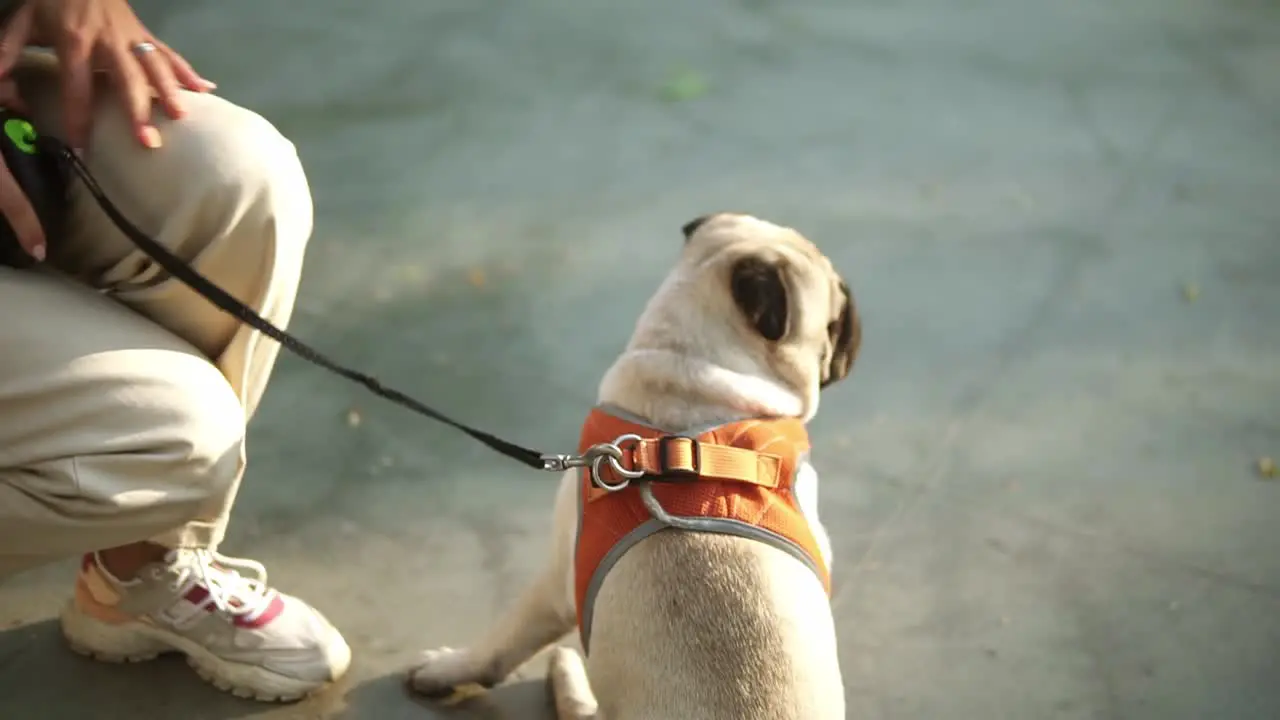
(594, 459)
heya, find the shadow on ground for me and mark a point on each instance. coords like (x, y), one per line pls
(128, 691)
(36, 654)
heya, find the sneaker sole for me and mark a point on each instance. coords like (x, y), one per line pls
(138, 642)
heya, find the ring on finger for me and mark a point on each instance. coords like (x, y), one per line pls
(142, 48)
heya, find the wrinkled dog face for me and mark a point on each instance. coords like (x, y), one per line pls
(788, 309)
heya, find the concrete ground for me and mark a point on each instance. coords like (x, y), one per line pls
(1060, 221)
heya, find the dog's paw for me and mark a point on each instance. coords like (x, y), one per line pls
(569, 687)
(449, 676)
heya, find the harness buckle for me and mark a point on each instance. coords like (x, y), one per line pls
(612, 453)
(594, 460)
(666, 472)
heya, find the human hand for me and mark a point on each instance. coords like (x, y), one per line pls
(108, 34)
(14, 204)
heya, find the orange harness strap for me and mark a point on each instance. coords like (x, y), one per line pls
(674, 456)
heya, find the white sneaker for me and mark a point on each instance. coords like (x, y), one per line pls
(237, 632)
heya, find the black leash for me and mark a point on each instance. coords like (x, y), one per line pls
(229, 304)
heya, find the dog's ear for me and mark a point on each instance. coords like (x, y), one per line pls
(846, 337)
(692, 226)
(761, 293)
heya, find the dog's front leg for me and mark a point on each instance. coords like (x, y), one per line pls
(535, 622)
(570, 687)
(543, 614)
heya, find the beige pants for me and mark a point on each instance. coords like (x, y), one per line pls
(124, 395)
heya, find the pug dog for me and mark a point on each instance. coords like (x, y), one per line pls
(690, 558)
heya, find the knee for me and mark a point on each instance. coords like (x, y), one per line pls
(224, 172)
(225, 166)
(206, 427)
(188, 431)
(240, 174)
(139, 442)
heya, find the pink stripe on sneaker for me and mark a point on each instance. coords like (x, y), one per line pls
(197, 595)
(273, 610)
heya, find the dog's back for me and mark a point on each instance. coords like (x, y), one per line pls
(733, 629)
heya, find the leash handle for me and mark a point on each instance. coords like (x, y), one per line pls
(229, 304)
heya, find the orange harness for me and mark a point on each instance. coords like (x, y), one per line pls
(735, 479)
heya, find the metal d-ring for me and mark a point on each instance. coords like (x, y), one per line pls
(612, 452)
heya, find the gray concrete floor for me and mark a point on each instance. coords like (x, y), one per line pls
(1039, 479)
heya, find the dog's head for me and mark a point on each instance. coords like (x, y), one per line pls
(756, 299)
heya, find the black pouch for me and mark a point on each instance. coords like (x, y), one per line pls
(43, 177)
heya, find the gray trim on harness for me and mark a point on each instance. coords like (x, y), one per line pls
(721, 526)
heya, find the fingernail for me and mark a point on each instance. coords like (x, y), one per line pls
(38, 252)
(208, 84)
(150, 137)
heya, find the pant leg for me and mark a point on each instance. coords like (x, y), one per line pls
(112, 429)
(146, 424)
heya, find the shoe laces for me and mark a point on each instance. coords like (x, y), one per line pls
(236, 586)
